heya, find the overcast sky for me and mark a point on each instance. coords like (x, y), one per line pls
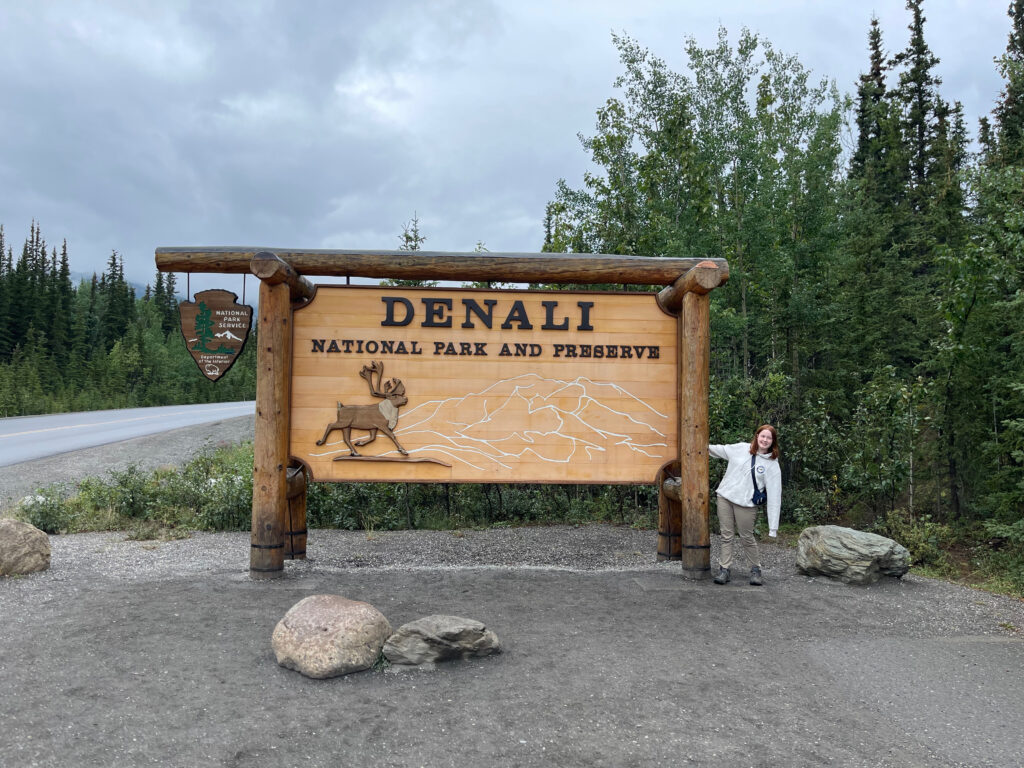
(132, 124)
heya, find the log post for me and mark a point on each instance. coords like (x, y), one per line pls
(295, 529)
(695, 357)
(669, 513)
(684, 531)
(273, 404)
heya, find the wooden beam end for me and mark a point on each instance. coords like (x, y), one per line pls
(273, 270)
(702, 278)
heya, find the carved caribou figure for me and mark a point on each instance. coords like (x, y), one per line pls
(382, 417)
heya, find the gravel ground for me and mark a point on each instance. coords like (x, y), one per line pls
(932, 607)
(158, 654)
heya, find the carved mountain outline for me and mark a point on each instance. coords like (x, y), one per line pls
(550, 420)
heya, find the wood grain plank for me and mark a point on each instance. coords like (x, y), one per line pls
(469, 409)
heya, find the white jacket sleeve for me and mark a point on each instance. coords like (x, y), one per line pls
(773, 484)
(718, 451)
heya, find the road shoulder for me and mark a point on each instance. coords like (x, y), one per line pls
(176, 447)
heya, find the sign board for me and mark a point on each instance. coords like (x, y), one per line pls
(215, 327)
(456, 385)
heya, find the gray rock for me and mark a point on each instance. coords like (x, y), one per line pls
(854, 557)
(23, 548)
(440, 638)
(329, 635)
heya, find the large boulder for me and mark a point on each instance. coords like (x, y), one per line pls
(329, 635)
(23, 548)
(439, 638)
(854, 557)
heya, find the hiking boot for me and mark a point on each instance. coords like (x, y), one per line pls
(755, 577)
(723, 576)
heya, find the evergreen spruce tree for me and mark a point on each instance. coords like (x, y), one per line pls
(23, 292)
(924, 114)
(6, 278)
(62, 306)
(40, 314)
(93, 338)
(158, 296)
(1009, 111)
(76, 368)
(986, 140)
(170, 321)
(917, 94)
(411, 240)
(991, 284)
(904, 218)
(872, 320)
(118, 302)
(872, 108)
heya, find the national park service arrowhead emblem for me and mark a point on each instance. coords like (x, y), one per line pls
(215, 327)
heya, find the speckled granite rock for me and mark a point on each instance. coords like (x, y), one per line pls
(329, 635)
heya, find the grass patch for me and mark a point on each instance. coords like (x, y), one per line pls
(213, 492)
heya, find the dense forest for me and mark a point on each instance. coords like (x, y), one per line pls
(67, 347)
(874, 311)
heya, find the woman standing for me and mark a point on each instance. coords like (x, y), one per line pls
(737, 509)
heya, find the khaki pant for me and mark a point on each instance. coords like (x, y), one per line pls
(736, 520)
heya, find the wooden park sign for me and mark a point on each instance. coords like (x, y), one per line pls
(432, 385)
(361, 383)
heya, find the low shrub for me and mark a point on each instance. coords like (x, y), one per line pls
(132, 493)
(925, 539)
(1001, 558)
(48, 509)
(807, 507)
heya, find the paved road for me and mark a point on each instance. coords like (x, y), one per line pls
(25, 438)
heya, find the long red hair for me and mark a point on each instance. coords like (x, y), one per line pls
(774, 453)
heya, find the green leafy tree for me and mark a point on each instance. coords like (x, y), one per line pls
(648, 194)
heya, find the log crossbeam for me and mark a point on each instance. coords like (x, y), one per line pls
(572, 268)
(671, 487)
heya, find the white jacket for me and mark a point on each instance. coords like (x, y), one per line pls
(737, 487)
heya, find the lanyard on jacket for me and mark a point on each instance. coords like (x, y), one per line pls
(760, 497)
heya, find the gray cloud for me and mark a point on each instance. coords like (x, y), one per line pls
(130, 125)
